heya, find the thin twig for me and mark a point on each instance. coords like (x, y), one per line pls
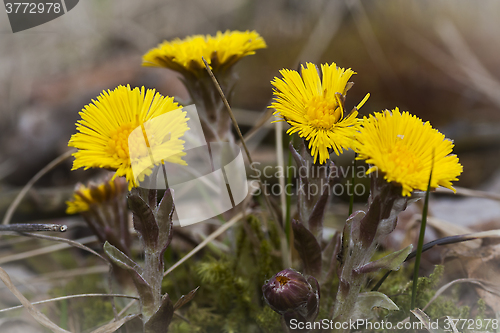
(281, 232)
(28, 227)
(32, 181)
(48, 249)
(70, 297)
(128, 306)
(259, 125)
(37, 315)
(79, 245)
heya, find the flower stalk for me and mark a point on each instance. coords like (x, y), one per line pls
(153, 223)
(362, 235)
(215, 120)
(420, 244)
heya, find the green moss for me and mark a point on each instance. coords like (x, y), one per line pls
(268, 320)
(230, 294)
(398, 287)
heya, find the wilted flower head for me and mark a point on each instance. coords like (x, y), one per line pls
(312, 103)
(405, 149)
(290, 292)
(96, 194)
(103, 133)
(220, 51)
(103, 205)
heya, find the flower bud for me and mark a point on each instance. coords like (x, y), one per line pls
(293, 293)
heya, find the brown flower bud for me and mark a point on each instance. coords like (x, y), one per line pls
(291, 292)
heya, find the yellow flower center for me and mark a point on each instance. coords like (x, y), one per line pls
(403, 159)
(322, 113)
(282, 280)
(118, 143)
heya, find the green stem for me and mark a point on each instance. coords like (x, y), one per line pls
(420, 243)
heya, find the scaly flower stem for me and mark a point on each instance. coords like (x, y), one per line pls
(215, 121)
(153, 274)
(353, 180)
(361, 238)
(420, 245)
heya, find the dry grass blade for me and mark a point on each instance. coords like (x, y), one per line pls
(37, 315)
(32, 181)
(128, 306)
(50, 249)
(79, 245)
(65, 274)
(260, 123)
(470, 193)
(369, 38)
(6, 168)
(424, 319)
(69, 297)
(483, 284)
(113, 326)
(471, 66)
(211, 237)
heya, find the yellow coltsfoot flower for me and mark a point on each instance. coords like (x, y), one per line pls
(95, 194)
(405, 149)
(104, 140)
(103, 206)
(313, 104)
(220, 51)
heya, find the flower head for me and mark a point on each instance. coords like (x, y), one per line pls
(313, 104)
(96, 194)
(220, 51)
(124, 128)
(291, 292)
(405, 149)
(103, 206)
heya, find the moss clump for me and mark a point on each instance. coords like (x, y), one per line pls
(268, 320)
(399, 289)
(230, 295)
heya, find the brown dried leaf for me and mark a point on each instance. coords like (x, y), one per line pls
(482, 264)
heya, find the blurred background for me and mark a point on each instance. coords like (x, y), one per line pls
(437, 59)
